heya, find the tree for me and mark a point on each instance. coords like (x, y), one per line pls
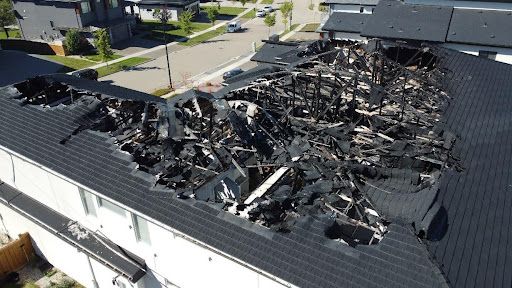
(212, 13)
(102, 43)
(286, 11)
(243, 2)
(163, 15)
(185, 21)
(72, 41)
(6, 15)
(270, 21)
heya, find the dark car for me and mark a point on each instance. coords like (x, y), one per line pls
(90, 74)
(232, 73)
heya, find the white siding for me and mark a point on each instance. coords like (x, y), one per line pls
(503, 54)
(6, 169)
(170, 258)
(465, 4)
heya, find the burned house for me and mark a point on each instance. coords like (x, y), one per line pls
(352, 166)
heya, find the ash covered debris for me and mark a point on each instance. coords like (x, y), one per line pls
(350, 136)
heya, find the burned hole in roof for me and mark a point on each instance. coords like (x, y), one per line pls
(42, 92)
(351, 136)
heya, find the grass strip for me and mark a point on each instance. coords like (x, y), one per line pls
(119, 66)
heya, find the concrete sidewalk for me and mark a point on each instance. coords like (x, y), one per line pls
(218, 71)
(162, 47)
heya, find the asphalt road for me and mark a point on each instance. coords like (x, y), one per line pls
(206, 57)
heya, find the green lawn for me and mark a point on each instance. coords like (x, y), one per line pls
(251, 14)
(97, 58)
(14, 33)
(311, 27)
(173, 31)
(161, 92)
(267, 1)
(205, 36)
(70, 63)
(122, 65)
(230, 11)
(291, 29)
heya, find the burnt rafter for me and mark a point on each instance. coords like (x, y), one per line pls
(335, 136)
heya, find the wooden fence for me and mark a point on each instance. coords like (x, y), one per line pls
(16, 254)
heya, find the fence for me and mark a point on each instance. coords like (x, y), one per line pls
(16, 254)
(32, 47)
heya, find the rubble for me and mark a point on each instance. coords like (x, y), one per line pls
(333, 136)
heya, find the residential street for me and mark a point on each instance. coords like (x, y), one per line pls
(207, 57)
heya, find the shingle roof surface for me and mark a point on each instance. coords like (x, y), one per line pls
(394, 19)
(485, 27)
(346, 22)
(475, 249)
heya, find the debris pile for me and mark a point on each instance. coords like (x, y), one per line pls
(350, 136)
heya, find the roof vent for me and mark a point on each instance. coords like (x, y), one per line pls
(485, 25)
(492, 36)
(390, 26)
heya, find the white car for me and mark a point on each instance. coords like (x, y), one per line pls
(268, 9)
(261, 13)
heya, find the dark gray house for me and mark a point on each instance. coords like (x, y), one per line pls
(48, 20)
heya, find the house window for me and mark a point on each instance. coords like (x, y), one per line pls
(113, 3)
(111, 206)
(85, 7)
(141, 229)
(87, 202)
(487, 54)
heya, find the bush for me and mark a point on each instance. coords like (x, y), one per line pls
(72, 41)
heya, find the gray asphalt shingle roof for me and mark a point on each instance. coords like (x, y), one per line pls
(473, 252)
(484, 27)
(397, 20)
(346, 22)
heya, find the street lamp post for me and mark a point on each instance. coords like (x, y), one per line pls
(166, 17)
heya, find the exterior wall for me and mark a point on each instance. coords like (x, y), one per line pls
(36, 19)
(146, 11)
(465, 4)
(350, 8)
(172, 258)
(503, 54)
(58, 252)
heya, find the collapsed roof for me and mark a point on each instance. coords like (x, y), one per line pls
(324, 139)
(362, 155)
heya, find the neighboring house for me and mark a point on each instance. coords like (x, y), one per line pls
(145, 8)
(345, 18)
(477, 28)
(48, 20)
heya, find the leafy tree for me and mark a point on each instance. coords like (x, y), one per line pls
(6, 15)
(212, 13)
(163, 15)
(286, 11)
(185, 21)
(102, 43)
(243, 2)
(270, 21)
(73, 41)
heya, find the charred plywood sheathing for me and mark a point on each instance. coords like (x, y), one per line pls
(348, 135)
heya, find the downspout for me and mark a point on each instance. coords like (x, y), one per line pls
(94, 281)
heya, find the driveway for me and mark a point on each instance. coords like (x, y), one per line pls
(17, 66)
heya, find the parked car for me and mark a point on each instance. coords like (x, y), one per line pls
(90, 74)
(234, 26)
(268, 9)
(261, 13)
(232, 73)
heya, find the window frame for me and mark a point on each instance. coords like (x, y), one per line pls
(88, 4)
(112, 207)
(88, 205)
(146, 239)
